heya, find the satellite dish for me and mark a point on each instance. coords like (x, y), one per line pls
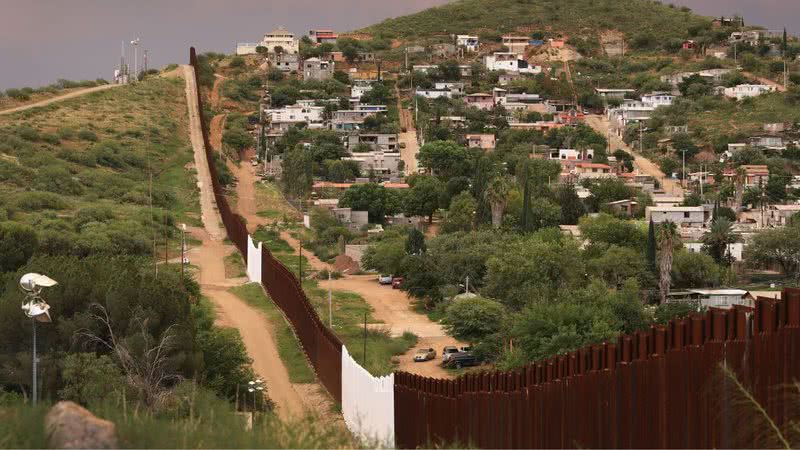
(30, 281)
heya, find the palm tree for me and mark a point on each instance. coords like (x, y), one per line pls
(667, 234)
(497, 196)
(718, 238)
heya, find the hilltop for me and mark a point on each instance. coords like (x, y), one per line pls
(567, 18)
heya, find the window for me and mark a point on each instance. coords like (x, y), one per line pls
(686, 215)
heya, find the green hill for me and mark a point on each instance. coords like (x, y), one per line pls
(491, 18)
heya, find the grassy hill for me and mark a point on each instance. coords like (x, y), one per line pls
(567, 17)
(78, 171)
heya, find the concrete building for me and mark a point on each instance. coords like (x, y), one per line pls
(658, 99)
(780, 215)
(282, 38)
(384, 164)
(510, 62)
(353, 220)
(323, 36)
(683, 216)
(743, 91)
(317, 69)
(516, 44)
(484, 141)
(287, 62)
(614, 93)
(713, 298)
(442, 50)
(432, 94)
(246, 48)
(359, 88)
(572, 154)
(480, 101)
(470, 43)
(585, 171)
(455, 88)
(376, 141)
(289, 116)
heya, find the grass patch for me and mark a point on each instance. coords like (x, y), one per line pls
(272, 205)
(348, 323)
(288, 347)
(234, 266)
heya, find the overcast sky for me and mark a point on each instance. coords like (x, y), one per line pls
(43, 40)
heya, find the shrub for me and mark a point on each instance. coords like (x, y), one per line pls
(87, 135)
(17, 244)
(28, 133)
(37, 201)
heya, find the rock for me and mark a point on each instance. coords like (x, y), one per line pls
(68, 425)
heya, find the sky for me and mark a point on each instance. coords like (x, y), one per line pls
(44, 40)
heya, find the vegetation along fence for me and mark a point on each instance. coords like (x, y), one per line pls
(677, 386)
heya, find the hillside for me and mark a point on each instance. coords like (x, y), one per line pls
(490, 18)
(79, 170)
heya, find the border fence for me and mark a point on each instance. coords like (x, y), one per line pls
(662, 388)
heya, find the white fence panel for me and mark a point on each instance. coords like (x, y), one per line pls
(367, 403)
(253, 261)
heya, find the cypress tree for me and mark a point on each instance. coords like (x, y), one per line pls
(651, 247)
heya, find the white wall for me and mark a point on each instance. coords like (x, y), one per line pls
(367, 403)
(253, 261)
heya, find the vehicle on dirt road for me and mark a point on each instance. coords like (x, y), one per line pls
(397, 282)
(462, 359)
(385, 279)
(447, 352)
(424, 354)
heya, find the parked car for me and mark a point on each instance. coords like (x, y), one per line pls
(397, 282)
(462, 359)
(447, 352)
(385, 279)
(424, 354)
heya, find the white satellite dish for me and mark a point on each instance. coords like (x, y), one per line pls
(30, 281)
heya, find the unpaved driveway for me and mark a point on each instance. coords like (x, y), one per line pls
(60, 98)
(393, 308)
(644, 165)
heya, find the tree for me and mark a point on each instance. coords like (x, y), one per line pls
(473, 319)
(607, 190)
(461, 215)
(341, 77)
(667, 234)
(446, 159)
(694, 270)
(607, 229)
(275, 75)
(298, 171)
(543, 214)
(373, 198)
(776, 189)
(386, 256)
(779, 246)
(617, 264)
(88, 378)
(717, 240)
(572, 208)
(415, 242)
(18, 242)
(423, 197)
(651, 247)
(497, 196)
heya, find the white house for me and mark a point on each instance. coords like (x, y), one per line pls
(735, 250)
(614, 93)
(683, 216)
(713, 298)
(289, 116)
(380, 163)
(455, 88)
(246, 48)
(434, 93)
(658, 99)
(510, 62)
(743, 91)
(283, 38)
(470, 43)
(359, 88)
(572, 154)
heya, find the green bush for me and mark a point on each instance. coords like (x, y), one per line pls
(37, 201)
(87, 135)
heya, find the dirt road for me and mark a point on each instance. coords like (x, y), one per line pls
(60, 98)
(255, 329)
(642, 164)
(779, 86)
(393, 308)
(409, 146)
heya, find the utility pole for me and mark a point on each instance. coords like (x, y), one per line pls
(466, 285)
(135, 44)
(641, 136)
(300, 259)
(365, 339)
(683, 172)
(330, 302)
(145, 62)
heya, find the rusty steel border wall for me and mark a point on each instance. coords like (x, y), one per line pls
(322, 347)
(658, 388)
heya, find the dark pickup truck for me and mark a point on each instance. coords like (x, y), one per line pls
(462, 359)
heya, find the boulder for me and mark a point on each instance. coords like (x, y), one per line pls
(68, 425)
